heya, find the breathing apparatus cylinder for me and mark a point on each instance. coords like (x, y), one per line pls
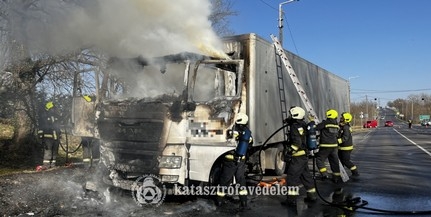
(311, 136)
(243, 142)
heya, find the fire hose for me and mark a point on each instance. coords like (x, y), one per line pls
(66, 149)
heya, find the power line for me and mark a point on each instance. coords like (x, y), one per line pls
(287, 24)
(268, 5)
(387, 91)
(291, 35)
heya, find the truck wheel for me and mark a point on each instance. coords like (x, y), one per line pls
(215, 174)
(279, 160)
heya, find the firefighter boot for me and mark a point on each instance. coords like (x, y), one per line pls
(311, 197)
(355, 173)
(336, 179)
(290, 201)
(324, 176)
(219, 201)
(243, 205)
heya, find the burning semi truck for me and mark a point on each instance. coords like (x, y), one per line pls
(172, 118)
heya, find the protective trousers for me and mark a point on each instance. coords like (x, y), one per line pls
(50, 151)
(332, 156)
(90, 150)
(298, 173)
(234, 169)
(344, 156)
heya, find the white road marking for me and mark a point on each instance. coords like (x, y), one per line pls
(414, 143)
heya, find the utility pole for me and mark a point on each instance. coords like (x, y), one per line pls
(412, 111)
(280, 21)
(350, 89)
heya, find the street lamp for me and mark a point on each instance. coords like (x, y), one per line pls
(280, 21)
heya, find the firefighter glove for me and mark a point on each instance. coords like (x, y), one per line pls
(235, 134)
(311, 118)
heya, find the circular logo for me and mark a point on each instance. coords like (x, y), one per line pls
(148, 190)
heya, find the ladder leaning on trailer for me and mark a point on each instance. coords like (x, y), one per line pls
(301, 92)
(292, 74)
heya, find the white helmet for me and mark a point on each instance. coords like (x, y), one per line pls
(297, 112)
(241, 118)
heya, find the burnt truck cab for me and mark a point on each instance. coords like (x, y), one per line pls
(171, 119)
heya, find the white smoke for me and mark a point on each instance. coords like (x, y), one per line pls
(125, 28)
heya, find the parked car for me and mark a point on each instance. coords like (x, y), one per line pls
(389, 124)
(426, 123)
(370, 124)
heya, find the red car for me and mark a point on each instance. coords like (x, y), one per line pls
(389, 124)
(371, 124)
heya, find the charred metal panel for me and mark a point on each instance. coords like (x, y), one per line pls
(131, 157)
(132, 109)
(132, 131)
(117, 129)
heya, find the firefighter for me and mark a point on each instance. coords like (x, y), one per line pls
(297, 170)
(49, 132)
(90, 150)
(328, 145)
(90, 145)
(234, 162)
(345, 143)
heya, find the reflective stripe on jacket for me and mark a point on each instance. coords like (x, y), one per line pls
(329, 130)
(345, 141)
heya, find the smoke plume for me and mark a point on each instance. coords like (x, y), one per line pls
(125, 28)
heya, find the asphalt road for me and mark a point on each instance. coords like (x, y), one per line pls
(394, 163)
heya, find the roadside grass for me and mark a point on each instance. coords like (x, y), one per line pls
(6, 131)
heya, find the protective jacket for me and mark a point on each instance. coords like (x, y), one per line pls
(297, 138)
(328, 133)
(48, 126)
(345, 140)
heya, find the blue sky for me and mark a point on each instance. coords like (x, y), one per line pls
(383, 46)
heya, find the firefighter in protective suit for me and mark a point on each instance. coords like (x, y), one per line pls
(234, 163)
(297, 169)
(49, 132)
(328, 146)
(90, 145)
(345, 143)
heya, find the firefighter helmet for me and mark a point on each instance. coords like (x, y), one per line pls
(297, 112)
(332, 114)
(346, 117)
(241, 118)
(49, 105)
(87, 98)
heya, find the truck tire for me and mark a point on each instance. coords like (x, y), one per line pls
(215, 174)
(279, 164)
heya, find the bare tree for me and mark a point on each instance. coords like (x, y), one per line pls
(30, 68)
(222, 11)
